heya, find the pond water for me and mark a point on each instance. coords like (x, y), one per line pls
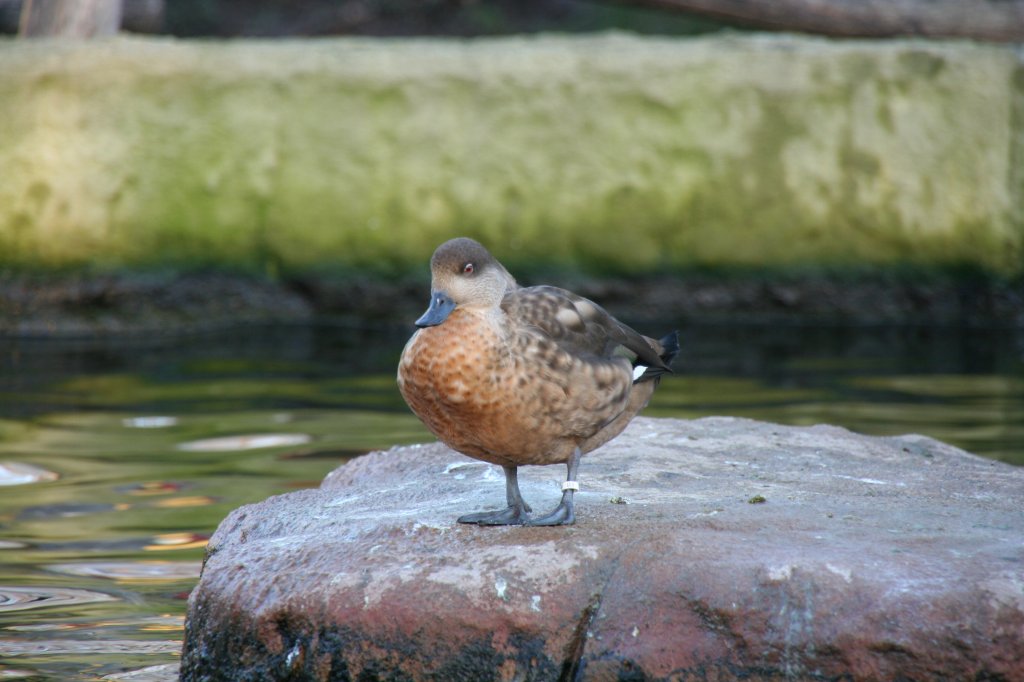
(119, 458)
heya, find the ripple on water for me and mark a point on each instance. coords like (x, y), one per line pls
(35, 647)
(69, 510)
(131, 570)
(162, 623)
(246, 442)
(17, 598)
(154, 673)
(20, 473)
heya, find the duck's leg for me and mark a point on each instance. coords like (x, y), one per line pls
(517, 512)
(564, 514)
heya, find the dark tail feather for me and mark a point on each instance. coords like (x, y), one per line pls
(670, 344)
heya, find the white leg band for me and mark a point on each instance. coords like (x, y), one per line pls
(571, 485)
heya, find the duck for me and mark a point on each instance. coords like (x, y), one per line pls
(518, 376)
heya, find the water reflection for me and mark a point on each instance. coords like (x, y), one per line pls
(162, 623)
(152, 488)
(16, 598)
(153, 673)
(139, 448)
(247, 442)
(131, 570)
(20, 473)
(168, 541)
(56, 647)
(150, 422)
(68, 510)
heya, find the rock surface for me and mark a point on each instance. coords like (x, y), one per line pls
(714, 549)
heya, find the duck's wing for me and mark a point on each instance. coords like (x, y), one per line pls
(576, 324)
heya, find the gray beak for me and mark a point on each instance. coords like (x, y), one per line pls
(441, 306)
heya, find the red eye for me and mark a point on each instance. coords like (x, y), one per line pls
(468, 268)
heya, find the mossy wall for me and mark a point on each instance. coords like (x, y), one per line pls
(607, 151)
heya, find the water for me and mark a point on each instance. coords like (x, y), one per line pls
(121, 457)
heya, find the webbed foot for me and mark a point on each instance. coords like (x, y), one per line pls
(510, 516)
(562, 515)
(516, 514)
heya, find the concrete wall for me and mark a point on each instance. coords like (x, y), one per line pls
(607, 151)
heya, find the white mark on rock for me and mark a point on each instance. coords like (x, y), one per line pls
(843, 573)
(872, 481)
(430, 525)
(549, 561)
(500, 586)
(458, 468)
(1005, 591)
(293, 657)
(636, 631)
(780, 572)
(340, 501)
(343, 579)
(535, 603)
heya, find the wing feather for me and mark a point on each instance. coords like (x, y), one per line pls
(576, 324)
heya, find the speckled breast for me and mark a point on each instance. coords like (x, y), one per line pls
(460, 378)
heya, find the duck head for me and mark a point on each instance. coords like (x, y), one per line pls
(463, 274)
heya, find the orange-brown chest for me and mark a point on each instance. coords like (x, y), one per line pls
(453, 376)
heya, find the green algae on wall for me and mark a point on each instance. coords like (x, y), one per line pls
(604, 151)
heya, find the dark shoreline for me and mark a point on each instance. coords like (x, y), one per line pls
(86, 305)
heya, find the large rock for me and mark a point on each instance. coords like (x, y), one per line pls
(737, 150)
(868, 559)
